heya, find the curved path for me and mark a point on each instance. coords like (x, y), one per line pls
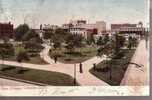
(84, 79)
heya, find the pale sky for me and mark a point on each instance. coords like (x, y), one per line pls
(36, 12)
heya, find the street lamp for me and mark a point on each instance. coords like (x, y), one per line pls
(81, 70)
(74, 74)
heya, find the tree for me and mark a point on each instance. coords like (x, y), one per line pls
(119, 43)
(90, 39)
(33, 46)
(70, 47)
(78, 40)
(8, 49)
(57, 44)
(132, 42)
(61, 34)
(129, 42)
(29, 35)
(107, 49)
(37, 40)
(48, 34)
(106, 39)
(111, 49)
(100, 41)
(20, 31)
(74, 41)
(2, 55)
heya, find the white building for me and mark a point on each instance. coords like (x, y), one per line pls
(83, 28)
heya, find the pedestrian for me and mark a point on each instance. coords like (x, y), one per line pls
(81, 71)
(55, 59)
(94, 66)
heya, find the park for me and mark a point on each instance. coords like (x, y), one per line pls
(59, 58)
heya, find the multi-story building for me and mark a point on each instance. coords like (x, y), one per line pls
(83, 28)
(117, 27)
(128, 29)
(6, 30)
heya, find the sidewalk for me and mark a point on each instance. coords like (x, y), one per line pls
(84, 79)
(138, 76)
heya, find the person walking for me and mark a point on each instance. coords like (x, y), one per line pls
(81, 71)
(94, 66)
(55, 59)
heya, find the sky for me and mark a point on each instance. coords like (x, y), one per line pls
(58, 12)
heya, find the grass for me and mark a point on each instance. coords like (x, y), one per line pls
(79, 55)
(118, 68)
(33, 59)
(46, 77)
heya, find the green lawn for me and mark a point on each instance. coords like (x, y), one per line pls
(118, 68)
(46, 77)
(33, 59)
(80, 54)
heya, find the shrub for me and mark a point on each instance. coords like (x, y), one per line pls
(22, 55)
(7, 49)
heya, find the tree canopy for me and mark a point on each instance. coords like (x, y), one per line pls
(20, 31)
(29, 35)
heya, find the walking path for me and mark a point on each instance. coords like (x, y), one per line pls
(138, 76)
(45, 54)
(133, 75)
(85, 78)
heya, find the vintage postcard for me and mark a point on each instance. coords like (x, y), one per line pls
(74, 47)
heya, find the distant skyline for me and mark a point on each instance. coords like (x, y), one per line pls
(58, 12)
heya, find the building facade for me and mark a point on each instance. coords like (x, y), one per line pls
(6, 30)
(117, 27)
(128, 29)
(81, 27)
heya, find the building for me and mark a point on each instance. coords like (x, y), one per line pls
(48, 27)
(101, 26)
(83, 28)
(128, 29)
(117, 27)
(6, 30)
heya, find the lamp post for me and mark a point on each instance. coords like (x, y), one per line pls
(81, 70)
(74, 74)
